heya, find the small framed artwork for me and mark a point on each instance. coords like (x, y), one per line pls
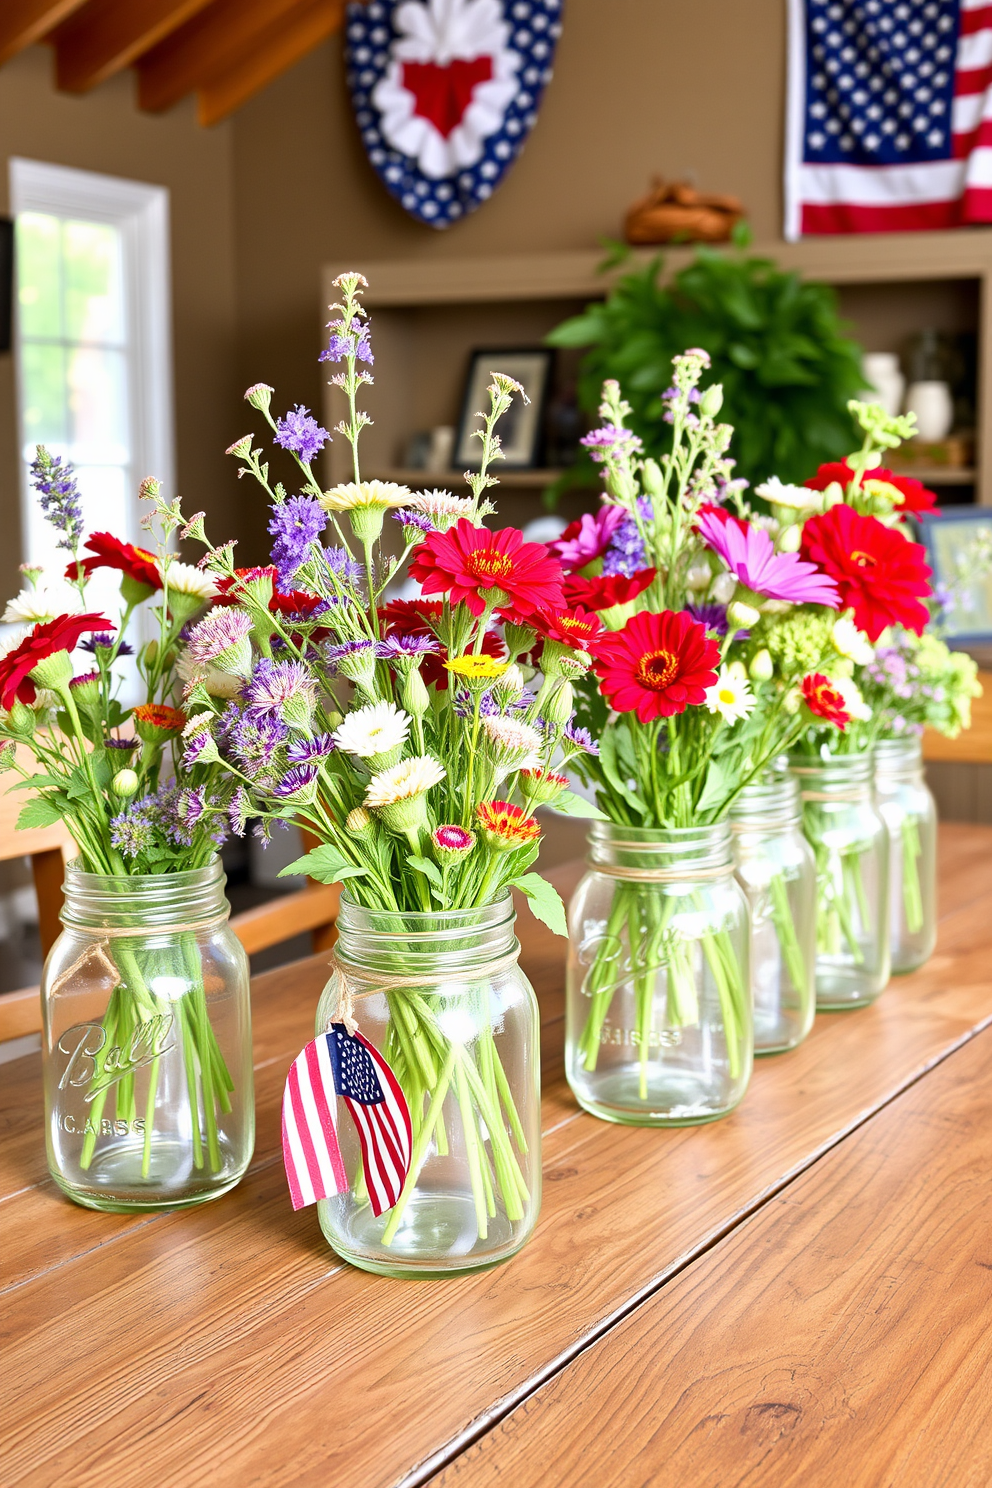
(521, 429)
(954, 538)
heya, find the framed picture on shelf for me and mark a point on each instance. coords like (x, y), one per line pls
(521, 429)
(954, 537)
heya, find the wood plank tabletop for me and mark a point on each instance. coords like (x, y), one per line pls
(228, 1345)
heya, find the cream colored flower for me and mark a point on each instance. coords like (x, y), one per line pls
(411, 777)
(796, 498)
(513, 745)
(436, 504)
(372, 730)
(214, 681)
(730, 695)
(847, 640)
(356, 495)
(186, 578)
(50, 597)
(854, 703)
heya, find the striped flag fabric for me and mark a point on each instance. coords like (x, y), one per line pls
(345, 1065)
(889, 125)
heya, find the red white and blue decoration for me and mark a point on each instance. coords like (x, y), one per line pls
(446, 92)
(890, 115)
(344, 1064)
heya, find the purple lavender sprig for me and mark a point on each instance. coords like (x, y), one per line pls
(301, 434)
(54, 481)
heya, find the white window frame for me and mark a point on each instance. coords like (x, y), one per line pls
(141, 212)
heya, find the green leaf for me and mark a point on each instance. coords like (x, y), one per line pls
(544, 901)
(41, 812)
(325, 864)
(428, 869)
(38, 782)
(572, 805)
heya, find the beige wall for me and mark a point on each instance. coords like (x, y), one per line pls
(640, 86)
(104, 131)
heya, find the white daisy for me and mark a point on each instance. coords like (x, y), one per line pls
(50, 597)
(186, 578)
(730, 695)
(847, 640)
(411, 777)
(375, 729)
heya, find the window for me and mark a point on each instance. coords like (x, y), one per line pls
(94, 362)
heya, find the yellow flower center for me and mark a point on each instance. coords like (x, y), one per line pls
(657, 669)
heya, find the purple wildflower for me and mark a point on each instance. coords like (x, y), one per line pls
(124, 745)
(285, 688)
(195, 746)
(409, 519)
(352, 659)
(406, 647)
(713, 616)
(750, 555)
(296, 525)
(254, 742)
(626, 554)
(610, 441)
(297, 779)
(347, 569)
(190, 806)
(581, 738)
(301, 434)
(104, 641)
(347, 341)
(132, 832)
(54, 480)
(221, 632)
(305, 751)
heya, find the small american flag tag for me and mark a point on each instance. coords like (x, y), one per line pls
(339, 1063)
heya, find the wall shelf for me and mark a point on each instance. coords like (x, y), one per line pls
(430, 312)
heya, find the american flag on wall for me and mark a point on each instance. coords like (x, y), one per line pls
(344, 1064)
(889, 124)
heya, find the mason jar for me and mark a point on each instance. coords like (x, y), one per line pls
(775, 868)
(658, 1009)
(444, 1001)
(149, 1100)
(910, 814)
(850, 843)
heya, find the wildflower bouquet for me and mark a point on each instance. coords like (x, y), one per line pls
(398, 732)
(714, 627)
(110, 773)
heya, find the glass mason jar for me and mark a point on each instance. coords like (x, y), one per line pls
(910, 814)
(658, 1011)
(775, 868)
(850, 843)
(149, 1099)
(442, 998)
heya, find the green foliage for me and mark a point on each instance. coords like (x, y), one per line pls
(787, 365)
(326, 864)
(544, 900)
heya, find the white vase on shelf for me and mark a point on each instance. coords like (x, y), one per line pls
(884, 381)
(934, 408)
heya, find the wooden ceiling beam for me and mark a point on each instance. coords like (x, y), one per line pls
(203, 48)
(105, 36)
(23, 22)
(274, 52)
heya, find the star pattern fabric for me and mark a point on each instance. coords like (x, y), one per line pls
(445, 93)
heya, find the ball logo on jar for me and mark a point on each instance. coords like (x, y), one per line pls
(92, 1064)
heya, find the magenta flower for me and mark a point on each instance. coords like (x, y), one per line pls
(587, 539)
(450, 839)
(750, 555)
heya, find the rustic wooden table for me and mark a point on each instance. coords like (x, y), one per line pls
(800, 1293)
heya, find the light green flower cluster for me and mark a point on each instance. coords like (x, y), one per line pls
(949, 682)
(798, 642)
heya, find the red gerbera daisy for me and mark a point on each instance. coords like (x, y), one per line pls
(576, 628)
(469, 563)
(915, 496)
(418, 617)
(110, 552)
(47, 637)
(823, 699)
(608, 590)
(880, 574)
(505, 826)
(657, 665)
